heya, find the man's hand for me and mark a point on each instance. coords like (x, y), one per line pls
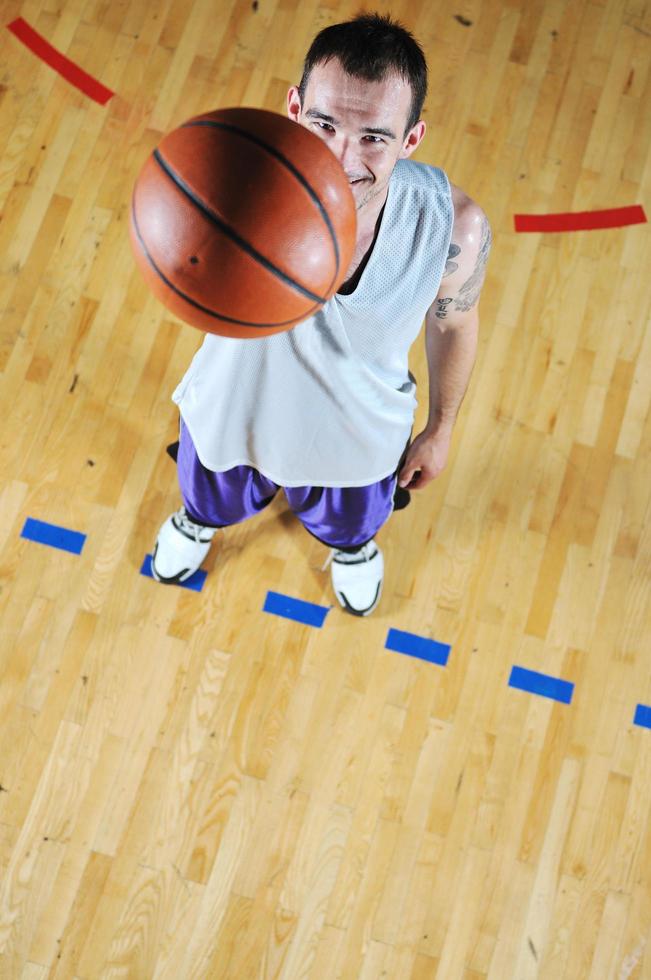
(426, 459)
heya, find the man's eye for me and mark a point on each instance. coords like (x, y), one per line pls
(373, 139)
(324, 125)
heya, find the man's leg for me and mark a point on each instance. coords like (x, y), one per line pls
(210, 501)
(219, 499)
(343, 517)
(346, 520)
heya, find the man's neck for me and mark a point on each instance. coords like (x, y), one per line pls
(367, 217)
(365, 244)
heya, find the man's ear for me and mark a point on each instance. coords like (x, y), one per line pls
(413, 138)
(294, 104)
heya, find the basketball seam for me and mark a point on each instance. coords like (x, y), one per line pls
(286, 163)
(231, 233)
(193, 302)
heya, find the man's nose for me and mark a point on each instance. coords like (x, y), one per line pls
(347, 152)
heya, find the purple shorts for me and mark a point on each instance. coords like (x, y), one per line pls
(340, 518)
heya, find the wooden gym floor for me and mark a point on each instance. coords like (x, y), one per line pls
(191, 787)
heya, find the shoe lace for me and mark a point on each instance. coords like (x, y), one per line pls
(189, 527)
(366, 552)
(328, 560)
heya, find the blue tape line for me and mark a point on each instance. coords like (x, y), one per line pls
(194, 583)
(418, 646)
(303, 612)
(643, 716)
(53, 535)
(543, 684)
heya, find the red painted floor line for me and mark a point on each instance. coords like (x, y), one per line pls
(66, 68)
(581, 220)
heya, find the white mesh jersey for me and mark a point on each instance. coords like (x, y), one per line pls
(330, 403)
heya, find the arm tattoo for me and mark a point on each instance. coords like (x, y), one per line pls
(442, 307)
(450, 266)
(469, 292)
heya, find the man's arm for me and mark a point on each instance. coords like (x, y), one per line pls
(452, 325)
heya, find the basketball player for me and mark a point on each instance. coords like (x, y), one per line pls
(325, 410)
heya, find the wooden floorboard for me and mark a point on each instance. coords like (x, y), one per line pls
(191, 787)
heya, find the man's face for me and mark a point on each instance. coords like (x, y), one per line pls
(363, 123)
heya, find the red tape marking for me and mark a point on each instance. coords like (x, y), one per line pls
(581, 220)
(66, 68)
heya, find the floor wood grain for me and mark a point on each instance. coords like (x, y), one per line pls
(193, 789)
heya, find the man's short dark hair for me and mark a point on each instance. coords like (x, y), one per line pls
(371, 47)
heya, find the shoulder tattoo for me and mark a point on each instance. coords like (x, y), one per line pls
(469, 292)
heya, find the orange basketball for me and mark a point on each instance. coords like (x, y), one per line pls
(242, 222)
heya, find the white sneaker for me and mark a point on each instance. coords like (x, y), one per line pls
(357, 578)
(181, 547)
